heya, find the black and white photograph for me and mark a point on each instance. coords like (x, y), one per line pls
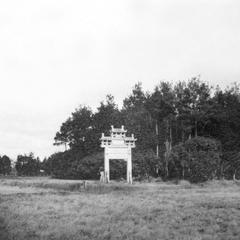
(119, 120)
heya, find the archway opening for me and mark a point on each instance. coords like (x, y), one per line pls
(118, 169)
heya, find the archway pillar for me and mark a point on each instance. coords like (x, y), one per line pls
(106, 167)
(129, 169)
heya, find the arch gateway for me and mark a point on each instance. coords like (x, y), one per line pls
(118, 146)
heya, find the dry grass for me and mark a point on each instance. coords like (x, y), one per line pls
(41, 208)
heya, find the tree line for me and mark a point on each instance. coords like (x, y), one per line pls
(188, 130)
(25, 165)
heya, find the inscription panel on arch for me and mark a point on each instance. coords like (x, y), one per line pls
(118, 153)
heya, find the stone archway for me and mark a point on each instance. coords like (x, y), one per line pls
(118, 146)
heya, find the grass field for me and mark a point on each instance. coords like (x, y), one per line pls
(42, 208)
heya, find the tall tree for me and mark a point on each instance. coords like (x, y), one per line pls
(137, 119)
(192, 104)
(107, 114)
(160, 105)
(76, 132)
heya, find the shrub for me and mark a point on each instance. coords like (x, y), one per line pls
(74, 165)
(88, 167)
(63, 164)
(145, 163)
(231, 165)
(5, 165)
(197, 160)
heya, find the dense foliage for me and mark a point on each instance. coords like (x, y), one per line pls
(5, 165)
(28, 165)
(197, 159)
(163, 121)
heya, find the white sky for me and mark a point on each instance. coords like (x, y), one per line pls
(58, 54)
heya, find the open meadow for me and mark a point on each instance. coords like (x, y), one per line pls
(43, 208)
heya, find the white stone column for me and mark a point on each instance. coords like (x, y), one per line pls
(129, 168)
(106, 166)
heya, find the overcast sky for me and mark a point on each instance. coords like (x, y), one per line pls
(58, 54)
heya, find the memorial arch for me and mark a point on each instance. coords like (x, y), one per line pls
(117, 146)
